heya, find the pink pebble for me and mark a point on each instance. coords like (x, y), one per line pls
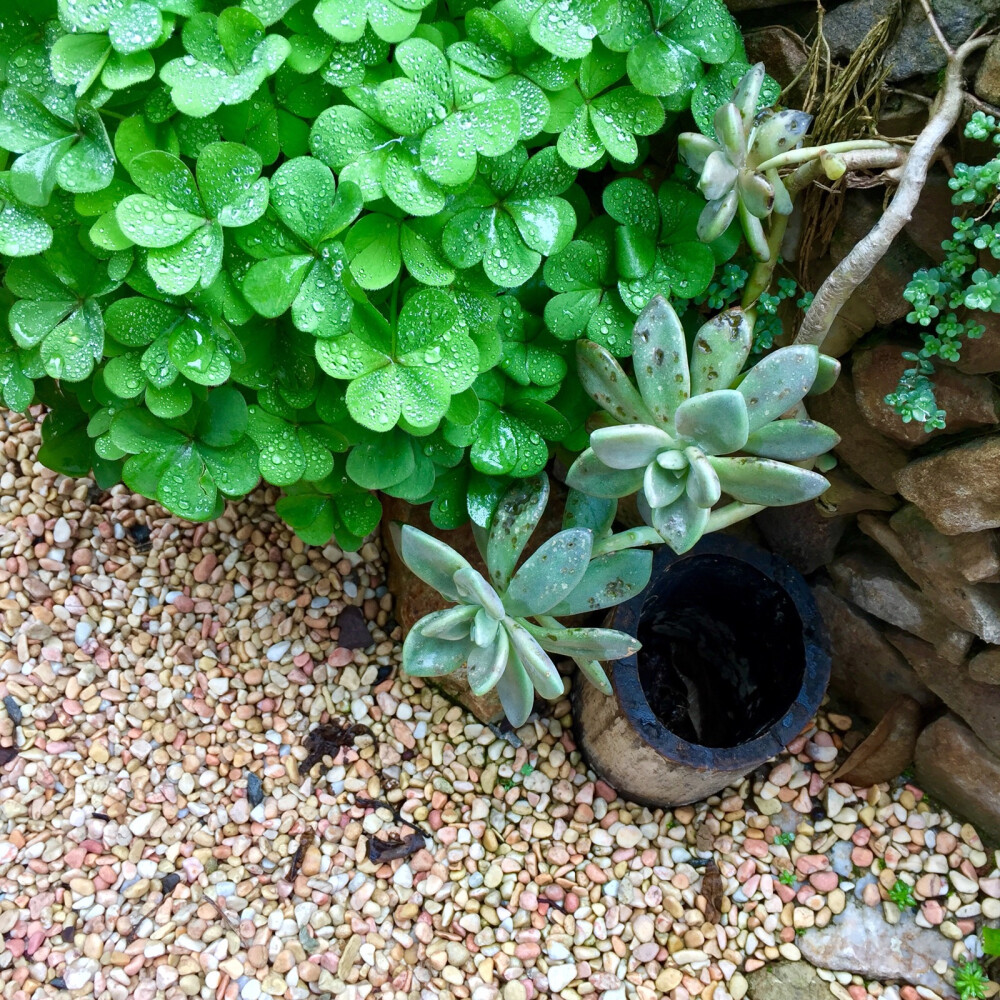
(340, 657)
(756, 848)
(862, 857)
(857, 992)
(745, 870)
(785, 892)
(824, 881)
(605, 791)
(75, 858)
(870, 895)
(909, 993)
(750, 887)
(861, 836)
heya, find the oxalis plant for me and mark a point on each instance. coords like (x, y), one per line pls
(343, 248)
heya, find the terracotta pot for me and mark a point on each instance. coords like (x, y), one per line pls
(734, 664)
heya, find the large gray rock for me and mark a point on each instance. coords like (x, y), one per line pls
(958, 490)
(802, 534)
(915, 52)
(955, 766)
(787, 981)
(977, 703)
(988, 77)
(860, 941)
(876, 585)
(973, 607)
(866, 670)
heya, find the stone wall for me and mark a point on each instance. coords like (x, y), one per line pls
(904, 550)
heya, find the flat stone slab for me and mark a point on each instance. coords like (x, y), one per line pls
(861, 942)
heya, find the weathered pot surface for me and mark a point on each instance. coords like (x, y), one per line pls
(734, 664)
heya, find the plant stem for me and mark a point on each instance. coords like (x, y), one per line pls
(632, 539)
(860, 262)
(730, 514)
(807, 153)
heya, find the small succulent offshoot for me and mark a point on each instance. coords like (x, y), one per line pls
(695, 430)
(504, 630)
(739, 166)
(901, 894)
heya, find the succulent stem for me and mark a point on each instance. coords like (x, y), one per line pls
(792, 157)
(730, 514)
(631, 539)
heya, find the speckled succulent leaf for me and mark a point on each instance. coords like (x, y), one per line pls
(792, 440)
(609, 580)
(827, 373)
(718, 175)
(533, 658)
(732, 135)
(473, 589)
(659, 354)
(660, 486)
(757, 195)
(427, 656)
(484, 628)
(780, 132)
(608, 385)
(585, 511)
(765, 481)
(702, 485)
(590, 475)
(629, 446)
(434, 561)
(487, 663)
(753, 231)
(592, 643)
(550, 573)
(717, 421)
(720, 349)
(717, 216)
(516, 517)
(694, 149)
(777, 382)
(681, 523)
(451, 623)
(517, 693)
(594, 672)
(747, 94)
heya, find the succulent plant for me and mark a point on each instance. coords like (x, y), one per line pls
(731, 178)
(490, 631)
(695, 430)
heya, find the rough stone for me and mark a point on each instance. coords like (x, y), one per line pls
(787, 981)
(958, 490)
(915, 51)
(866, 670)
(978, 704)
(870, 454)
(354, 632)
(970, 401)
(954, 765)
(784, 54)
(802, 534)
(975, 555)
(878, 586)
(861, 942)
(985, 667)
(988, 77)
(973, 607)
(981, 356)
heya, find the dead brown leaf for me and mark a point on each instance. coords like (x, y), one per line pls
(887, 750)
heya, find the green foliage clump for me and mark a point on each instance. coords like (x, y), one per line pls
(971, 981)
(901, 894)
(946, 298)
(340, 245)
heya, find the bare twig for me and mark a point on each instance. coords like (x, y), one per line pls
(858, 264)
(936, 28)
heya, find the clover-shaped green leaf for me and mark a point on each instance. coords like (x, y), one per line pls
(566, 28)
(331, 509)
(228, 58)
(410, 373)
(58, 310)
(300, 261)
(17, 389)
(390, 20)
(596, 117)
(180, 221)
(74, 154)
(512, 217)
(130, 25)
(24, 231)
(79, 61)
(668, 41)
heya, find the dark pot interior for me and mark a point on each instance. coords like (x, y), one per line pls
(734, 661)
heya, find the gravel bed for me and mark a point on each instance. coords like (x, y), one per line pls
(159, 836)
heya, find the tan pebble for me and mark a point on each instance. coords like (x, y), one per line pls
(283, 961)
(257, 956)
(309, 972)
(991, 908)
(98, 752)
(312, 861)
(82, 886)
(137, 890)
(789, 951)
(668, 979)
(191, 985)
(514, 990)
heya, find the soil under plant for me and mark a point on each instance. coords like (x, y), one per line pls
(721, 656)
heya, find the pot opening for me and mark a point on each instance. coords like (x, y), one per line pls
(722, 653)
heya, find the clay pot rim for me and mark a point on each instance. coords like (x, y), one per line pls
(815, 675)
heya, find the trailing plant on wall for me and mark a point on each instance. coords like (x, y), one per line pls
(946, 299)
(340, 247)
